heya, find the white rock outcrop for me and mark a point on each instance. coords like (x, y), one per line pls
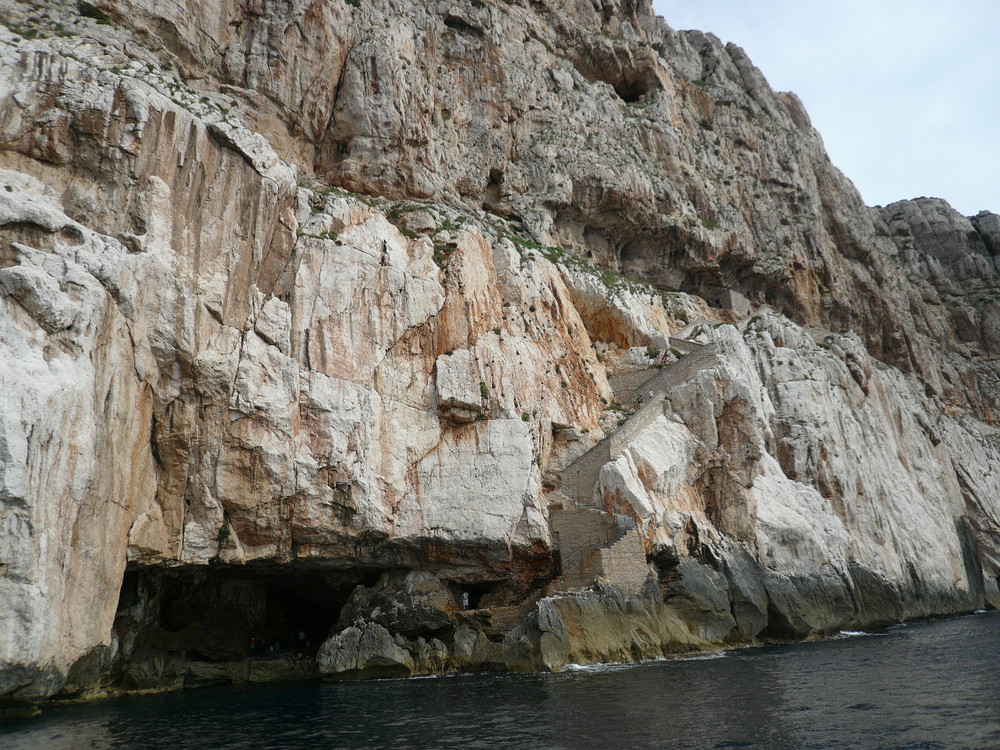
(214, 356)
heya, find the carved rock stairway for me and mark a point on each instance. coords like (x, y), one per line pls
(592, 542)
(505, 619)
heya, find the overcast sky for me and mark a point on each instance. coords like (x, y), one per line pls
(906, 93)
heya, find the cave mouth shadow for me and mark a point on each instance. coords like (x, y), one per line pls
(225, 613)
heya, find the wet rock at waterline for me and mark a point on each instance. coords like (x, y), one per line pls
(369, 649)
(329, 348)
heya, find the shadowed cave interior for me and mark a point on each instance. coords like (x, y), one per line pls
(171, 620)
(229, 613)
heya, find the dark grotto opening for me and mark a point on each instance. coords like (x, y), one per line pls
(631, 91)
(779, 626)
(493, 193)
(197, 625)
(476, 595)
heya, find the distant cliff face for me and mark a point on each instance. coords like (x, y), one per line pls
(300, 302)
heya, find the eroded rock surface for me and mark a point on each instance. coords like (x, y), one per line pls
(309, 305)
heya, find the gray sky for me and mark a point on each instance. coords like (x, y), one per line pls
(906, 93)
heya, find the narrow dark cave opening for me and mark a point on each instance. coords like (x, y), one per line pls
(493, 192)
(779, 627)
(479, 595)
(456, 23)
(129, 594)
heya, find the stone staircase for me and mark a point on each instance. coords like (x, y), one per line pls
(628, 386)
(684, 346)
(504, 619)
(593, 542)
(583, 533)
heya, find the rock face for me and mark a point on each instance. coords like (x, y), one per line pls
(304, 308)
(407, 604)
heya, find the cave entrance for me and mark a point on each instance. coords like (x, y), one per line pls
(300, 610)
(223, 613)
(481, 595)
(493, 193)
(631, 91)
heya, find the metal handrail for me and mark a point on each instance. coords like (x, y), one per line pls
(607, 537)
(580, 554)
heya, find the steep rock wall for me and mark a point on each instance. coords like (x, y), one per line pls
(215, 354)
(662, 153)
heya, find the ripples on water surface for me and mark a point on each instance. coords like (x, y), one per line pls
(932, 685)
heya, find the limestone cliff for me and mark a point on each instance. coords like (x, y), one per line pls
(314, 317)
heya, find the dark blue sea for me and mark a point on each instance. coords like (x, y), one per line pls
(928, 685)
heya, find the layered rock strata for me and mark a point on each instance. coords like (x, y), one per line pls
(305, 307)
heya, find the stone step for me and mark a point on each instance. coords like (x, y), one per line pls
(624, 562)
(627, 386)
(580, 478)
(683, 345)
(505, 619)
(592, 542)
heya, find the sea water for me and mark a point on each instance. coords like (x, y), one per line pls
(927, 685)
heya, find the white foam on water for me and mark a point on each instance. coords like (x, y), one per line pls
(844, 634)
(619, 666)
(609, 667)
(704, 657)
